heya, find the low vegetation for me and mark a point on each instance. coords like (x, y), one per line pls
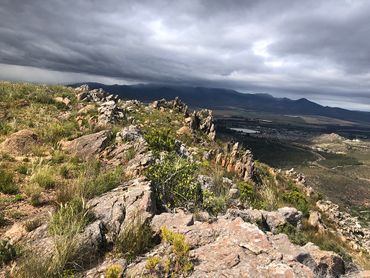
(175, 261)
(136, 238)
(174, 183)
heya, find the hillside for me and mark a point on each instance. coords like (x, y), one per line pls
(224, 99)
(98, 186)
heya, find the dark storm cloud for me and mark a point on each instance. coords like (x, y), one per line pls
(313, 49)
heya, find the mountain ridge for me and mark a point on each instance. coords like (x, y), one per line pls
(219, 98)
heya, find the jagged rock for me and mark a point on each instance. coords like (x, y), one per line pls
(237, 161)
(182, 150)
(129, 134)
(268, 220)
(328, 264)
(175, 104)
(233, 248)
(87, 146)
(292, 216)
(20, 142)
(109, 112)
(316, 221)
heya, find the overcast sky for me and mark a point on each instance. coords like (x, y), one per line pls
(297, 48)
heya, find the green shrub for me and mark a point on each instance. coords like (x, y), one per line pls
(247, 193)
(7, 252)
(44, 177)
(135, 239)
(214, 204)
(298, 200)
(7, 184)
(173, 182)
(152, 263)
(179, 263)
(160, 139)
(294, 235)
(114, 271)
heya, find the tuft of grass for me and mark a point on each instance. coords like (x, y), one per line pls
(7, 252)
(33, 191)
(44, 177)
(7, 184)
(70, 218)
(136, 239)
(97, 182)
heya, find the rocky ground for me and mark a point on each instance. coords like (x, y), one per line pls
(93, 186)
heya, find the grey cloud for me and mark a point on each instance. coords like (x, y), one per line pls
(313, 49)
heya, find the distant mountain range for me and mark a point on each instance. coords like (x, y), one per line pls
(216, 98)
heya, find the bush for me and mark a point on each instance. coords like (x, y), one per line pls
(298, 200)
(7, 184)
(7, 252)
(247, 193)
(294, 235)
(214, 204)
(180, 262)
(136, 239)
(44, 177)
(160, 139)
(114, 271)
(173, 182)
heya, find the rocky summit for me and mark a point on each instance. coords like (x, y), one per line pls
(95, 186)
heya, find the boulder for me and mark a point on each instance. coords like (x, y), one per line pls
(20, 143)
(87, 146)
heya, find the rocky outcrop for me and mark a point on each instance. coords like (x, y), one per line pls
(202, 120)
(235, 248)
(87, 146)
(111, 212)
(175, 104)
(347, 226)
(20, 143)
(130, 150)
(236, 160)
(108, 108)
(269, 220)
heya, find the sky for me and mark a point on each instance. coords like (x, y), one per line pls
(315, 49)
